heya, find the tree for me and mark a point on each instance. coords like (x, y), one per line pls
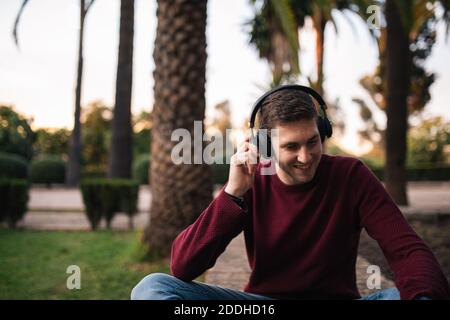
(16, 135)
(180, 192)
(121, 154)
(51, 142)
(421, 80)
(142, 134)
(96, 124)
(218, 124)
(428, 141)
(403, 20)
(274, 26)
(74, 164)
(400, 85)
(274, 33)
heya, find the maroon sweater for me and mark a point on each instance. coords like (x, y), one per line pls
(302, 240)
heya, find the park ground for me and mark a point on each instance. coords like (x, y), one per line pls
(55, 234)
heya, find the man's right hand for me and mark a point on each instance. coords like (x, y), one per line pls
(242, 169)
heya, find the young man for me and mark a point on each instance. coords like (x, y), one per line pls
(301, 225)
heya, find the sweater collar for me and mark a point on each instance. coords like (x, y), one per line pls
(280, 185)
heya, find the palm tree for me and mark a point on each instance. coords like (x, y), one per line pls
(274, 32)
(397, 80)
(74, 165)
(403, 21)
(121, 154)
(321, 15)
(179, 192)
(276, 22)
(422, 43)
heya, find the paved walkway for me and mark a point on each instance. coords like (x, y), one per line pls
(62, 208)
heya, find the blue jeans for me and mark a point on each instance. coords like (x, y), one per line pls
(161, 286)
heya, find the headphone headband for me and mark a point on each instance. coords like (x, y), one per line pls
(307, 90)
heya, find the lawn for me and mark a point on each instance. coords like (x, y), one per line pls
(33, 264)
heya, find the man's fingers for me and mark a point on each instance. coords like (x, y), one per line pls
(245, 146)
(247, 157)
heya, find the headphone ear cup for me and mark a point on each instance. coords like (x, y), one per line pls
(264, 145)
(328, 128)
(321, 128)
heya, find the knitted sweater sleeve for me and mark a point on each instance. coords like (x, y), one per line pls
(197, 248)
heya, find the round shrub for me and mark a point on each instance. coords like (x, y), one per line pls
(48, 169)
(13, 166)
(14, 195)
(103, 198)
(141, 169)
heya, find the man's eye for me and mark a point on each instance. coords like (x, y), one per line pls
(311, 143)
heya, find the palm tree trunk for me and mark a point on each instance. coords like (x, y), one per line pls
(280, 53)
(319, 25)
(74, 164)
(179, 192)
(397, 87)
(121, 156)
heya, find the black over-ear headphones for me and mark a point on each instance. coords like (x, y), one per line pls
(262, 139)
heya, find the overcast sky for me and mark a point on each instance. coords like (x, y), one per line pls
(39, 79)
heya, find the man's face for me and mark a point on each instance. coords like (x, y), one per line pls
(298, 150)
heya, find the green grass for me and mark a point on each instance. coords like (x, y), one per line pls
(33, 264)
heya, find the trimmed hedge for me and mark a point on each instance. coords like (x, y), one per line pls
(425, 173)
(141, 168)
(93, 173)
(13, 166)
(13, 200)
(48, 169)
(417, 173)
(103, 198)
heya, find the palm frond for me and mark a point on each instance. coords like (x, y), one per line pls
(88, 6)
(16, 22)
(285, 17)
(445, 4)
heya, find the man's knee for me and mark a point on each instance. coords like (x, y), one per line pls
(391, 294)
(155, 286)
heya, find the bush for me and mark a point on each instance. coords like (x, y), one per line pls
(16, 135)
(432, 173)
(48, 169)
(141, 168)
(104, 198)
(420, 173)
(13, 200)
(220, 173)
(13, 166)
(90, 172)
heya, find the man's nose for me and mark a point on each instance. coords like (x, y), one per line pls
(303, 155)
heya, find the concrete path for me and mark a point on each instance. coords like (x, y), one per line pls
(62, 208)
(77, 221)
(423, 196)
(61, 199)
